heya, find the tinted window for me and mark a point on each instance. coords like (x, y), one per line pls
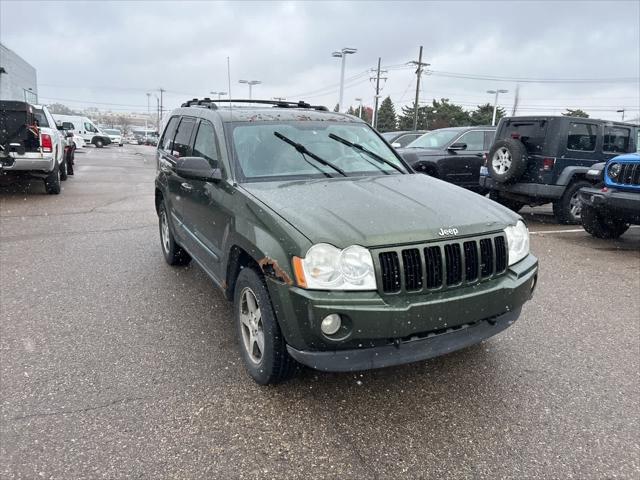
(68, 126)
(41, 118)
(435, 140)
(405, 140)
(582, 137)
(182, 143)
(205, 144)
(488, 139)
(474, 140)
(531, 133)
(169, 133)
(616, 139)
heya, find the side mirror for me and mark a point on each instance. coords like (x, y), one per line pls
(396, 145)
(457, 146)
(197, 168)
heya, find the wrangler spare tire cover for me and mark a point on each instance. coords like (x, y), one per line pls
(507, 160)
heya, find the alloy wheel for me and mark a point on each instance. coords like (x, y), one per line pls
(251, 325)
(501, 160)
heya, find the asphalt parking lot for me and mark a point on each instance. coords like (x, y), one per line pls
(115, 365)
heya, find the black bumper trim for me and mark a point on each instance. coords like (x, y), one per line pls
(535, 190)
(405, 352)
(622, 202)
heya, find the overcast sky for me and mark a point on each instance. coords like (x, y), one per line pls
(109, 54)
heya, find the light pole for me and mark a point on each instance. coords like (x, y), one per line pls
(218, 93)
(342, 54)
(622, 112)
(146, 125)
(359, 108)
(495, 104)
(251, 83)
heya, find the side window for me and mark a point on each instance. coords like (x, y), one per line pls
(182, 143)
(474, 140)
(488, 139)
(166, 143)
(88, 127)
(205, 144)
(582, 137)
(616, 139)
(68, 126)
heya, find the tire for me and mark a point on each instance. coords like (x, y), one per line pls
(507, 160)
(63, 170)
(513, 205)
(173, 253)
(567, 208)
(600, 225)
(273, 364)
(98, 143)
(52, 182)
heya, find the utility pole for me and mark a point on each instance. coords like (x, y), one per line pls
(161, 111)
(420, 64)
(376, 98)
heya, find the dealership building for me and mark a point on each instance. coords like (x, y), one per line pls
(18, 80)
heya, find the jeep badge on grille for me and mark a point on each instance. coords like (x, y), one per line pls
(445, 232)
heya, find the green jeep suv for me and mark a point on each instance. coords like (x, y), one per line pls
(334, 253)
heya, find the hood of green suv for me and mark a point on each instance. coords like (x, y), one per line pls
(381, 210)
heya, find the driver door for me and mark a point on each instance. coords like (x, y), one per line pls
(462, 166)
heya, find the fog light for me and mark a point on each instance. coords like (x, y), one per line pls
(331, 324)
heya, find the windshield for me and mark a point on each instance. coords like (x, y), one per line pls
(435, 140)
(261, 155)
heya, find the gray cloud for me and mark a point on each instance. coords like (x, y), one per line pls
(113, 52)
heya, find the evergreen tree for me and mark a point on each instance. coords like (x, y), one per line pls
(483, 114)
(386, 116)
(336, 108)
(576, 113)
(351, 111)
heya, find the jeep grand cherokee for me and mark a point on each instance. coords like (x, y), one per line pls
(334, 253)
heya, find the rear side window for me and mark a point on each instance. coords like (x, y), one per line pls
(616, 139)
(68, 126)
(169, 133)
(582, 137)
(182, 143)
(205, 144)
(41, 118)
(474, 140)
(531, 133)
(488, 139)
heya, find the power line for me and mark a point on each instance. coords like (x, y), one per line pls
(468, 76)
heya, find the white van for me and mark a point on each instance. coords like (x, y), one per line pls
(85, 128)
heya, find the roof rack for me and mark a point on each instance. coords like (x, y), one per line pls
(209, 103)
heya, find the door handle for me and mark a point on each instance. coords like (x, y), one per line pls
(186, 186)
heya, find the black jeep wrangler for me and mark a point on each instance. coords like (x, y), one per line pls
(542, 159)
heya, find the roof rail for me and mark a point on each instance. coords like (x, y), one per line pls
(208, 103)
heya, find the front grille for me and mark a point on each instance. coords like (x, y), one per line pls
(443, 265)
(629, 174)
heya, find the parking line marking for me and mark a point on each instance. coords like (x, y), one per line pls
(573, 230)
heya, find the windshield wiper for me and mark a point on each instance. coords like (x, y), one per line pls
(360, 148)
(302, 149)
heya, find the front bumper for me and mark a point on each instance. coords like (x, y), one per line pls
(410, 350)
(373, 321)
(625, 205)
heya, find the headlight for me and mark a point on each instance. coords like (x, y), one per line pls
(614, 170)
(518, 241)
(326, 267)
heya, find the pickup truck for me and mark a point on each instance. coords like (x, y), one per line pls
(31, 145)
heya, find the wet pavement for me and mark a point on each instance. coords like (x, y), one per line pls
(115, 365)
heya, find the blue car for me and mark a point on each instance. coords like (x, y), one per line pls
(609, 208)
